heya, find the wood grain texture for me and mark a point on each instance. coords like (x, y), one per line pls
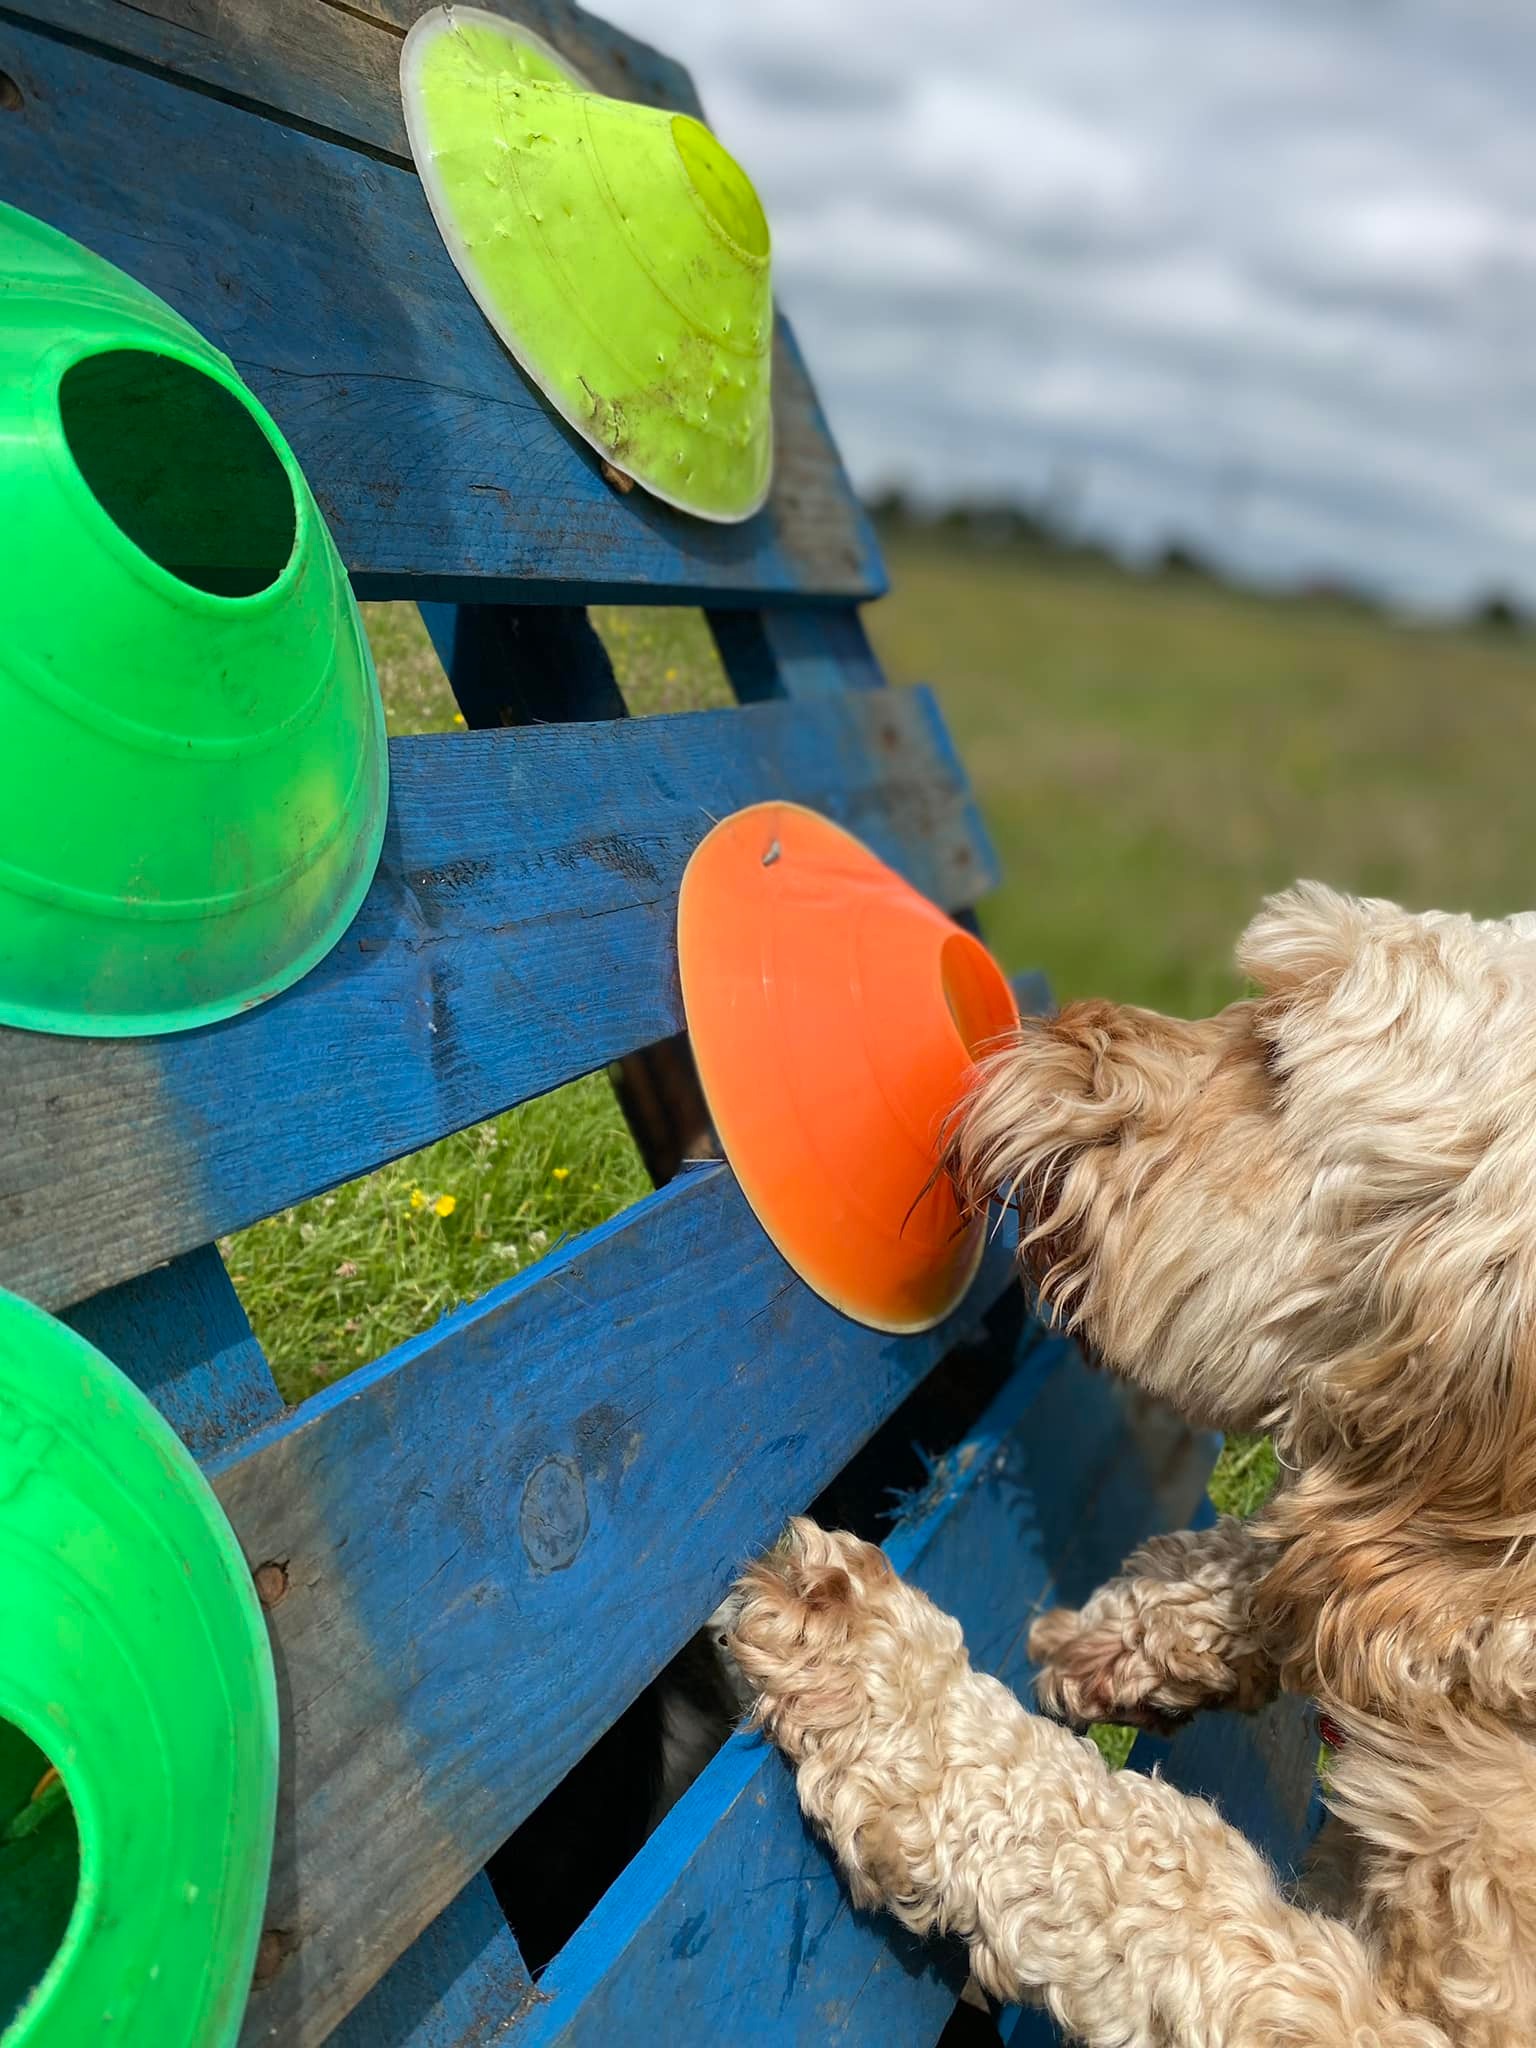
(335, 68)
(318, 269)
(524, 665)
(520, 931)
(461, 1984)
(732, 1925)
(497, 1534)
(181, 1334)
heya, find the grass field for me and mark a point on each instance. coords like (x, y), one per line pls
(1151, 755)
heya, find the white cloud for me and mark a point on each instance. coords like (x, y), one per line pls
(1258, 274)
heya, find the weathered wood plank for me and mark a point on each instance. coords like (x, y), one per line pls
(462, 1979)
(181, 1334)
(731, 1924)
(520, 932)
(525, 665)
(803, 653)
(496, 1535)
(318, 269)
(461, 1984)
(333, 67)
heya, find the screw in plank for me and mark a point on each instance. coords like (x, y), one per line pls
(271, 1582)
(272, 1951)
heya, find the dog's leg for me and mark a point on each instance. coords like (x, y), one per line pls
(1144, 1920)
(1171, 1634)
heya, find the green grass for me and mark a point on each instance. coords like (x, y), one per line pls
(340, 1279)
(1153, 756)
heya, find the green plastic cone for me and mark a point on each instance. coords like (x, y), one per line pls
(193, 782)
(134, 1661)
(618, 251)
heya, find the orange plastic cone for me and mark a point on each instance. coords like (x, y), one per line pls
(835, 1015)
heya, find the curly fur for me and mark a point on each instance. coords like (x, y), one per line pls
(1142, 1916)
(1174, 1633)
(1311, 1214)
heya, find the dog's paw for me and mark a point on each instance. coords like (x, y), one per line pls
(799, 1614)
(1096, 1670)
(1144, 1662)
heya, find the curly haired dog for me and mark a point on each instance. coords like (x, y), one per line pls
(1313, 1214)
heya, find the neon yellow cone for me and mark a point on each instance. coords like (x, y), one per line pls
(619, 252)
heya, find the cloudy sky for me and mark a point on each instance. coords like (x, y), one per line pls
(1260, 274)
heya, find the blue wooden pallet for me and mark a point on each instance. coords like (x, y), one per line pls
(495, 1536)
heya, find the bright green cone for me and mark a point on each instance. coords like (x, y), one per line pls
(193, 781)
(617, 250)
(134, 1660)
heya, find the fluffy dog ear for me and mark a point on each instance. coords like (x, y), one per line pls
(1307, 936)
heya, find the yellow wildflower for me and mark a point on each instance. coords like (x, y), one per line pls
(418, 1199)
(445, 1205)
(671, 675)
(460, 720)
(560, 1173)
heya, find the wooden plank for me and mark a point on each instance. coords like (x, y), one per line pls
(520, 932)
(334, 68)
(523, 665)
(732, 1924)
(752, 1940)
(804, 653)
(182, 1335)
(461, 1984)
(487, 1557)
(442, 473)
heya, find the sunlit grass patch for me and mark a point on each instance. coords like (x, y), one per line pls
(344, 1277)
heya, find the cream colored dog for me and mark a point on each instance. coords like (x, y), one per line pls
(1313, 1214)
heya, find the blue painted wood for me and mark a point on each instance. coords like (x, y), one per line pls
(801, 653)
(731, 1924)
(319, 270)
(524, 664)
(181, 1334)
(753, 1940)
(336, 70)
(520, 932)
(461, 1984)
(497, 1534)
